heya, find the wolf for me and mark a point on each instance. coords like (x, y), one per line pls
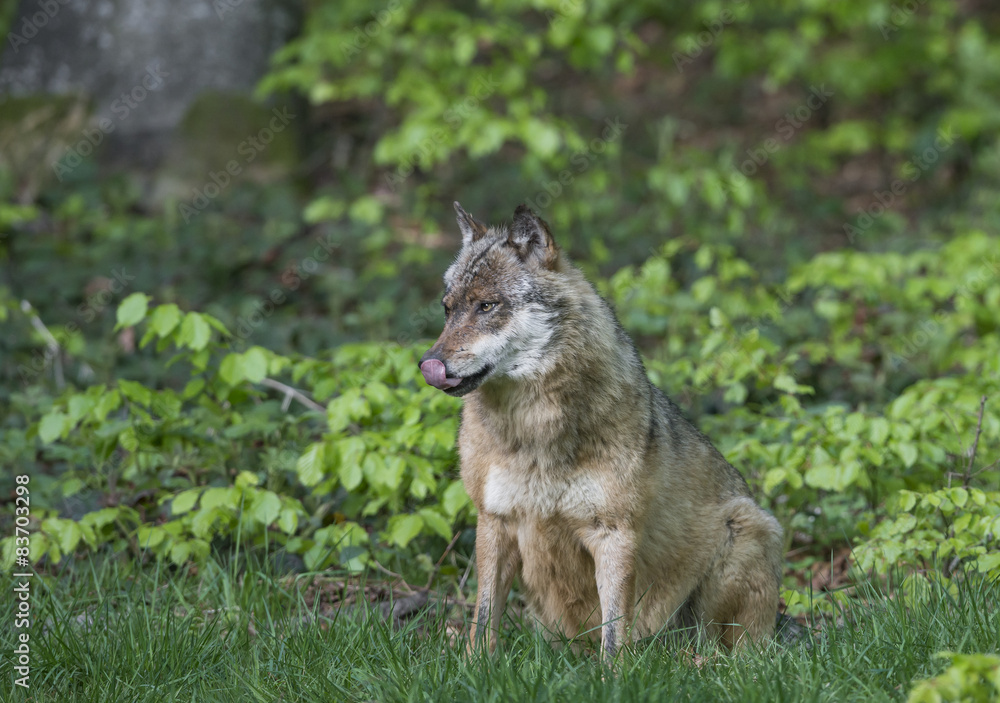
(619, 517)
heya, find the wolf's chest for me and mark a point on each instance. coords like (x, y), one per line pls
(513, 491)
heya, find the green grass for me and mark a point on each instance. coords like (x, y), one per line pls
(111, 632)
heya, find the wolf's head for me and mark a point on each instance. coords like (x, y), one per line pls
(498, 302)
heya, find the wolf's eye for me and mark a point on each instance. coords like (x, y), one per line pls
(486, 307)
(447, 311)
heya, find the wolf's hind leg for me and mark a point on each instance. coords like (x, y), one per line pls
(738, 600)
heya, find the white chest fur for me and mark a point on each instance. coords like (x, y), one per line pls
(509, 491)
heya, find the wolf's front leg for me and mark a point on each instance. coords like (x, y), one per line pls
(497, 562)
(614, 552)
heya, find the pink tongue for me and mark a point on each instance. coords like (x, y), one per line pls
(434, 374)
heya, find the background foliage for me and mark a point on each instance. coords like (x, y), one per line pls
(791, 206)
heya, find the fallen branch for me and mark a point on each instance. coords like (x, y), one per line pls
(292, 394)
(399, 577)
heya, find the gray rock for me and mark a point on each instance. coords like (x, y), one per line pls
(141, 64)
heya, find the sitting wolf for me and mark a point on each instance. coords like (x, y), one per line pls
(617, 514)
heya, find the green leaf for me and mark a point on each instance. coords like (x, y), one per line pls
(79, 406)
(53, 425)
(255, 364)
(324, 208)
(403, 528)
(393, 469)
(195, 332)
(266, 507)
(437, 523)
(822, 477)
(132, 310)
(736, 394)
(184, 501)
(231, 369)
(110, 401)
(180, 552)
(199, 549)
(785, 382)
(774, 478)
(310, 465)
(216, 324)
(66, 533)
(903, 524)
(907, 451)
(367, 209)
(959, 496)
(136, 392)
(353, 558)
(878, 430)
(348, 407)
(464, 48)
(149, 536)
(200, 360)
(246, 479)
(379, 395)
(351, 450)
(39, 545)
(203, 521)
(717, 318)
(854, 424)
(829, 475)
(128, 439)
(901, 406)
(988, 562)
(351, 474)
(193, 388)
(454, 499)
(219, 498)
(288, 521)
(906, 501)
(72, 486)
(315, 557)
(164, 319)
(540, 137)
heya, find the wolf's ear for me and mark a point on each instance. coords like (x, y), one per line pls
(472, 229)
(531, 239)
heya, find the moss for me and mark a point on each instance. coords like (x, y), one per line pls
(220, 128)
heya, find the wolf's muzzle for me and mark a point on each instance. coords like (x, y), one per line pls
(436, 375)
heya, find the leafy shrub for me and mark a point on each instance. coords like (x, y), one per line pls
(945, 526)
(369, 465)
(837, 381)
(811, 385)
(181, 468)
(970, 677)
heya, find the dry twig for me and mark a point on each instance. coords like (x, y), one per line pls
(437, 567)
(975, 445)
